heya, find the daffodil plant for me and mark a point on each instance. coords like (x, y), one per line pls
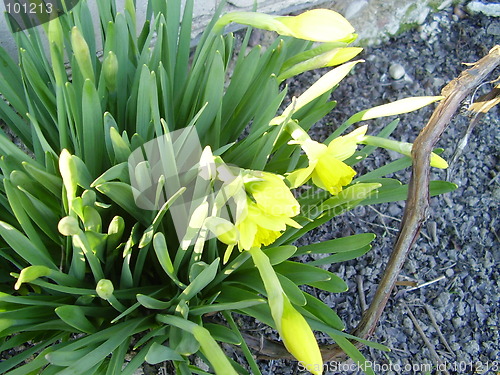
(122, 244)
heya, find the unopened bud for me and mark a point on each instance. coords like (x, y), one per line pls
(82, 54)
(68, 226)
(105, 289)
(110, 70)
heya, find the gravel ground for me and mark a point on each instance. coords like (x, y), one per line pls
(458, 247)
(459, 244)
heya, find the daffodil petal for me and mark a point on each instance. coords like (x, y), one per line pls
(292, 223)
(247, 230)
(314, 150)
(300, 176)
(223, 229)
(319, 25)
(332, 174)
(272, 195)
(345, 146)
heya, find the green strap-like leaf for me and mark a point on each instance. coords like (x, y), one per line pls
(400, 193)
(200, 282)
(32, 254)
(75, 317)
(93, 130)
(160, 353)
(338, 245)
(209, 346)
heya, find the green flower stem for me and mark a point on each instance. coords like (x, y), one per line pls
(117, 305)
(208, 345)
(403, 148)
(271, 284)
(244, 347)
(82, 242)
(105, 291)
(229, 269)
(297, 132)
(258, 20)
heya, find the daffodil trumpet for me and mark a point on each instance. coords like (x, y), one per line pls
(266, 210)
(326, 163)
(403, 148)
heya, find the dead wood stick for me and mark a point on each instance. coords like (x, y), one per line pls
(431, 348)
(443, 340)
(361, 293)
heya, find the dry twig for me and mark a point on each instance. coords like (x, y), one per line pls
(438, 330)
(480, 107)
(419, 329)
(423, 285)
(361, 292)
(418, 193)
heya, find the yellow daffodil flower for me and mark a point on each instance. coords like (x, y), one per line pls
(264, 208)
(258, 227)
(265, 211)
(317, 25)
(326, 166)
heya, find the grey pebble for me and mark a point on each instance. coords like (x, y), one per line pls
(472, 347)
(394, 210)
(396, 71)
(461, 308)
(457, 322)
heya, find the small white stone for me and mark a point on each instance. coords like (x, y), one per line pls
(445, 4)
(396, 71)
(354, 8)
(423, 16)
(490, 9)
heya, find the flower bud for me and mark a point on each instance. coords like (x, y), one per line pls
(403, 148)
(110, 71)
(68, 226)
(31, 273)
(299, 339)
(55, 33)
(319, 25)
(105, 289)
(82, 54)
